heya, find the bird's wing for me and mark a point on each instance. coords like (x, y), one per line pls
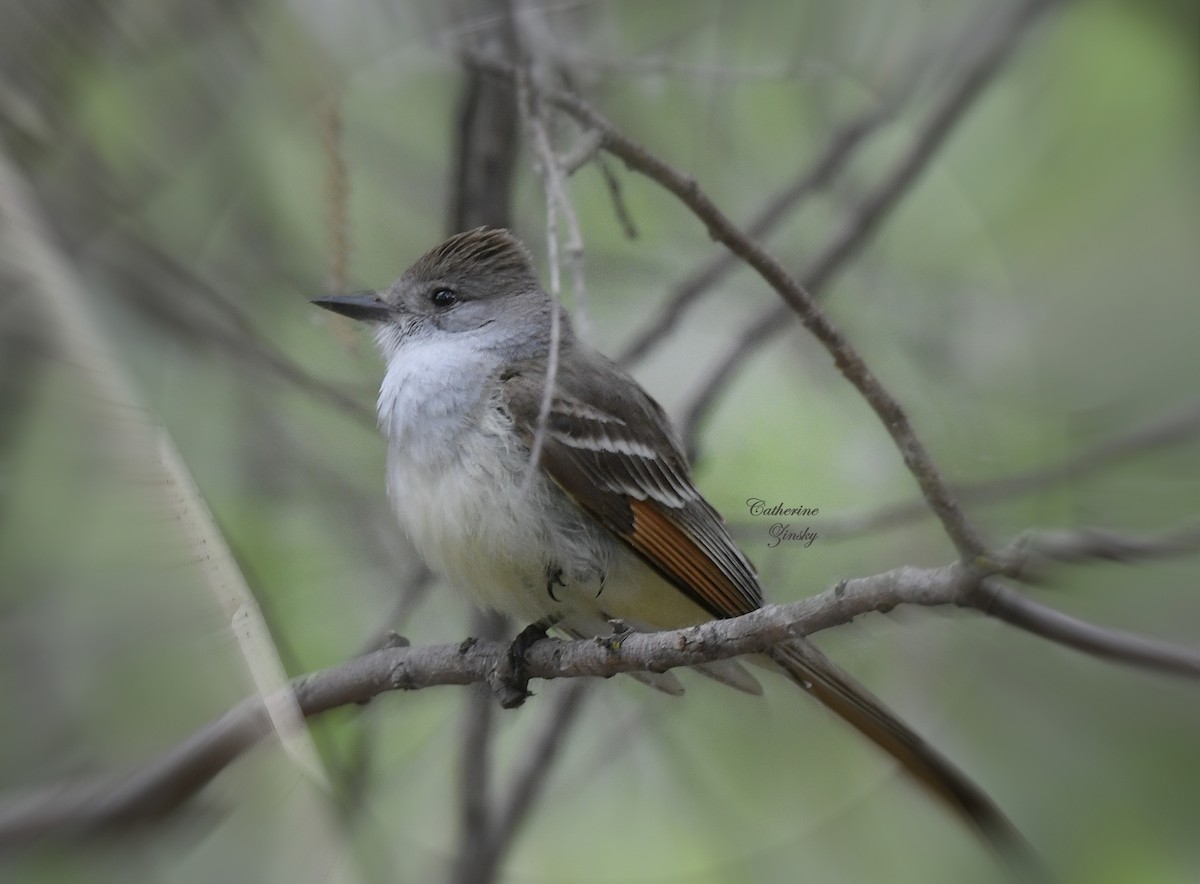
(610, 448)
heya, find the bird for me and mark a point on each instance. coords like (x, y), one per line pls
(543, 481)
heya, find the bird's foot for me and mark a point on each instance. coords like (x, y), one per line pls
(513, 686)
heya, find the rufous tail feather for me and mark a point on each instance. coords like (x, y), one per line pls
(840, 693)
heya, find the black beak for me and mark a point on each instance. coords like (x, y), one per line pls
(364, 306)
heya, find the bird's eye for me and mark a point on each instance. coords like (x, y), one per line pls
(443, 298)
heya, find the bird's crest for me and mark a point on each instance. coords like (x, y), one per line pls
(486, 251)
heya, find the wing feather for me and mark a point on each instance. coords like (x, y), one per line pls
(610, 448)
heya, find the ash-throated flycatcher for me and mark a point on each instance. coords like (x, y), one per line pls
(609, 527)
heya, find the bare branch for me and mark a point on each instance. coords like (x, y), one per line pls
(587, 150)
(538, 761)
(475, 785)
(1084, 544)
(161, 787)
(794, 294)
(487, 136)
(617, 196)
(235, 333)
(546, 165)
(1119, 646)
(486, 149)
(838, 153)
(584, 151)
(532, 772)
(1176, 425)
(873, 209)
(337, 194)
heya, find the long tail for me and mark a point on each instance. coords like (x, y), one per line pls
(837, 690)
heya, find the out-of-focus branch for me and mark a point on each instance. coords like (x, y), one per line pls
(491, 826)
(873, 209)
(481, 186)
(150, 793)
(337, 194)
(837, 154)
(1116, 645)
(146, 449)
(488, 124)
(233, 332)
(475, 770)
(1095, 544)
(537, 762)
(1164, 430)
(487, 855)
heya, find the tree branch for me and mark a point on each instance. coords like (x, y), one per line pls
(1176, 425)
(871, 211)
(482, 186)
(532, 772)
(1097, 544)
(838, 152)
(475, 769)
(999, 601)
(162, 786)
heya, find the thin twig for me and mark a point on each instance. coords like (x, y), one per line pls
(584, 151)
(1092, 544)
(532, 773)
(337, 194)
(1116, 645)
(871, 211)
(535, 54)
(135, 435)
(547, 168)
(1167, 429)
(617, 196)
(815, 177)
(475, 785)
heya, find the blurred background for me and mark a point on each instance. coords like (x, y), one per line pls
(998, 202)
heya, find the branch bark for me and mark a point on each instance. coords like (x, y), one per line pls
(837, 154)
(161, 787)
(872, 210)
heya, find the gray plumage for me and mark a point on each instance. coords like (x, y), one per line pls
(609, 525)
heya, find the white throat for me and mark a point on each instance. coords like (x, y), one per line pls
(429, 392)
(455, 467)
